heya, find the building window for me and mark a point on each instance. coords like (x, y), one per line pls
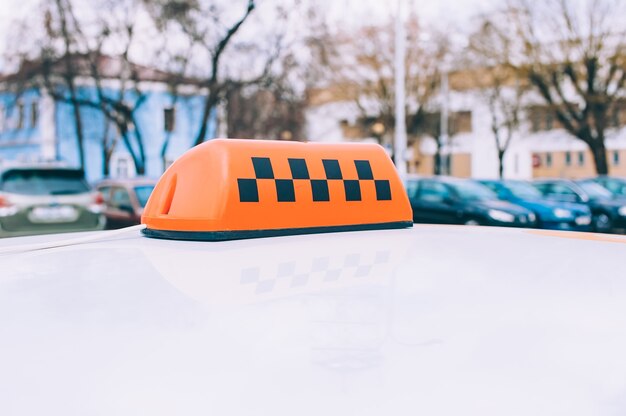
(462, 122)
(121, 171)
(616, 157)
(615, 116)
(549, 121)
(548, 159)
(20, 116)
(169, 118)
(535, 121)
(568, 159)
(122, 166)
(536, 160)
(34, 114)
(581, 158)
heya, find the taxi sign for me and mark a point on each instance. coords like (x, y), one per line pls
(228, 189)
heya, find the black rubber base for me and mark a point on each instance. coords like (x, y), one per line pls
(242, 235)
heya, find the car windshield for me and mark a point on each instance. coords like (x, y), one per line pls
(615, 186)
(595, 191)
(44, 182)
(473, 191)
(143, 193)
(523, 190)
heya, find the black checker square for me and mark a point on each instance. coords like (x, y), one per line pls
(364, 169)
(263, 168)
(299, 169)
(383, 190)
(248, 190)
(332, 169)
(320, 190)
(285, 190)
(353, 190)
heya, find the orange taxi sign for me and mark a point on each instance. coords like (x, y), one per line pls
(229, 189)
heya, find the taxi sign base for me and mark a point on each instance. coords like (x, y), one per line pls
(248, 234)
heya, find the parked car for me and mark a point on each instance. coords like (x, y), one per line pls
(615, 185)
(47, 199)
(125, 200)
(608, 212)
(553, 215)
(445, 200)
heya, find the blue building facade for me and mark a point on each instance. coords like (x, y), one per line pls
(35, 127)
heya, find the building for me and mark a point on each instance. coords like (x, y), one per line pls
(35, 125)
(539, 148)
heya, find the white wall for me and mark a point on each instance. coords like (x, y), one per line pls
(47, 127)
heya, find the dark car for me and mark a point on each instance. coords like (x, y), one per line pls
(608, 212)
(551, 215)
(445, 200)
(615, 185)
(125, 200)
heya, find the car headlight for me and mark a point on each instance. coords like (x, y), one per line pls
(622, 211)
(501, 216)
(562, 213)
(584, 220)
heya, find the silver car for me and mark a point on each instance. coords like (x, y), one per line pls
(38, 200)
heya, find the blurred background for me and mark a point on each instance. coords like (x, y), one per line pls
(497, 112)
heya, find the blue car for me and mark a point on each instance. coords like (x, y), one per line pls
(551, 215)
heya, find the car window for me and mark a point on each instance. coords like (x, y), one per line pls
(595, 191)
(617, 187)
(143, 193)
(544, 188)
(44, 182)
(120, 197)
(106, 192)
(491, 185)
(433, 192)
(472, 191)
(560, 189)
(523, 190)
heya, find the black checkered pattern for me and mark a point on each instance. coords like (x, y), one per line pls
(285, 190)
(322, 269)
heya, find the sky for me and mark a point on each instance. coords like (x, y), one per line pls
(452, 14)
(355, 11)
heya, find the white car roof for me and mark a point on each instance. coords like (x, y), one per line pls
(434, 320)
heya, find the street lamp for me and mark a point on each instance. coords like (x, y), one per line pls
(444, 136)
(400, 75)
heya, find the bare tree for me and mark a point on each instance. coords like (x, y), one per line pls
(573, 54)
(265, 114)
(272, 109)
(359, 67)
(71, 65)
(85, 57)
(505, 108)
(500, 88)
(209, 32)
